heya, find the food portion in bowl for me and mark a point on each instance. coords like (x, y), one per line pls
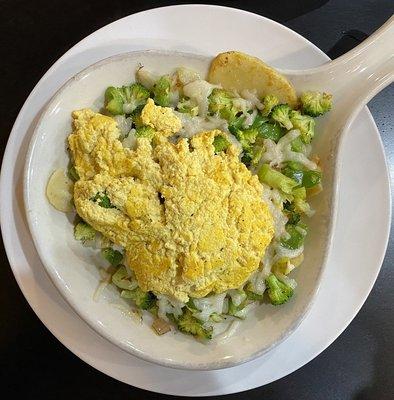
(196, 190)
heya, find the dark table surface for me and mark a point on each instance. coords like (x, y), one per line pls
(33, 34)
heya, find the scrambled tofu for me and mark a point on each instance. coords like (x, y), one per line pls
(162, 119)
(191, 222)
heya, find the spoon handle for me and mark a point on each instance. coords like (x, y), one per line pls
(356, 77)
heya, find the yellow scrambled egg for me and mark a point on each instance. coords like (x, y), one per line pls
(191, 222)
(162, 119)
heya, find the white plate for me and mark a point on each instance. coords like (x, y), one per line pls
(359, 243)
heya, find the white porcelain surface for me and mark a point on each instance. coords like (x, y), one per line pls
(360, 258)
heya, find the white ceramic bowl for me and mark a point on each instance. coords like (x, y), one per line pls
(74, 269)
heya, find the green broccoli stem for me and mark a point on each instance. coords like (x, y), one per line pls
(276, 179)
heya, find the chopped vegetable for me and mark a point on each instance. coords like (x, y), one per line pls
(145, 131)
(187, 106)
(160, 326)
(246, 137)
(161, 91)
(305, 177)
(269, 102)
(251, 295)
(296, 237)
(235, 309)
(143, 300)
(59, 191)
(281, 114)
(102, 200)
(123, 280)
(315, 103)
(84, 232)
(72, 173)
(192, 326)
(136, 117)
(276, 179)
(220, 143)
(220, 102)
(278, 292)
(298, 145)
(114, 257)
(236, 123)
(125, 99)
(215, 317)
(311, 178)
(285, 265)
(305, 124)
(293, 216)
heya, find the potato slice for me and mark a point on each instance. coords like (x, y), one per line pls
(238, 71)
(59, 191)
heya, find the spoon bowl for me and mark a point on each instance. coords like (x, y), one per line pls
(73, 269)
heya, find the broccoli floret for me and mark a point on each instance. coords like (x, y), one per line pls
(315, 103)
(269, 102)
(145, 131)
(247, 137)
(125, 99)
(136, 95)
(114, 257)
(296, 236)
(187, 106)
(221, 102)
(281, 115)
(278, 292)
(84, 232)
(192, 326)
(143, 300)
(276, 179)
(114, 99)
(305, 124)
(220, 143)
(102, 200)
(123, 280)
(161, 91)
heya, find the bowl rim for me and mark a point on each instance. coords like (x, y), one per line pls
(92, 322)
